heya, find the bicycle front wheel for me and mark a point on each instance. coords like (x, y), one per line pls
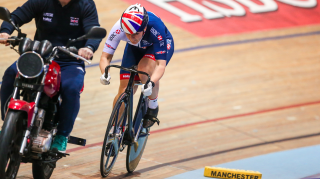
(113, 137)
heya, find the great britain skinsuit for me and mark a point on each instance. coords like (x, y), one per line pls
(157, 44)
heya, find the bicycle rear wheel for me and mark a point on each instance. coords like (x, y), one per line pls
(134, 154)
(113, 138)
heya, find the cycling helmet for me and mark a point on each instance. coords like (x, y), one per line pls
(134, 19)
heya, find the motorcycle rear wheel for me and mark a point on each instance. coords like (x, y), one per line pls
(10, 140)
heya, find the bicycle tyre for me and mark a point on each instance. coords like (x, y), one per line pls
(104, 168)
(10, 141)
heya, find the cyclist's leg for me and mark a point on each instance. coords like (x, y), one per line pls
(130, 58)
(122, 87)
(148, 64)
(7, 86)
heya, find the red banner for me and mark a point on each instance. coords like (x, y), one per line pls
(207, 18)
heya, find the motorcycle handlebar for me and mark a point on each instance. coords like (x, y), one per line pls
(13, 40)
(75, 50)
(68, 52)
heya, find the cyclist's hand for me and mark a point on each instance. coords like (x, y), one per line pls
(85, 53)
(105, 81)
(148, 91)
(5, 36)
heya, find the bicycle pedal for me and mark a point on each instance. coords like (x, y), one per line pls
(149, 121)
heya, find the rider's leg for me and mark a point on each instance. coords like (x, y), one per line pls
(72, 78)
(7, 86)
(148, 65)
(130, 58)
(153, 98)
(122, 88)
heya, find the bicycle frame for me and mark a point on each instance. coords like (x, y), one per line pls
(128, 99)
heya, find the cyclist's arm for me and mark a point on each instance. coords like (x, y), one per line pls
(160, 47)
(159, 70)
(105, 61)
(111, 45)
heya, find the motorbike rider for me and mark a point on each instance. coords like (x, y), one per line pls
(57, 21)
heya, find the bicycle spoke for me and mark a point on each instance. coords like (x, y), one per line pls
(8, 162)
(108, 158)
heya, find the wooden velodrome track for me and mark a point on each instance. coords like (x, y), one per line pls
(217, 104)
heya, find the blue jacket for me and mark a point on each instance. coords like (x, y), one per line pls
(56, 23)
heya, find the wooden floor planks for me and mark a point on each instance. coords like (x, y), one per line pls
(199, 85)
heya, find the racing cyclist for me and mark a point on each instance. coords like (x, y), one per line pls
(150, 46)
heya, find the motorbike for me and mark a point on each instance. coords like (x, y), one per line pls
(30, 123)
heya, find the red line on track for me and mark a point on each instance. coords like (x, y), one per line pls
(207, 121)
(84, 147)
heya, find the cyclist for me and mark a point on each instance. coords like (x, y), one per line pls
(57, 21)
(150, 46)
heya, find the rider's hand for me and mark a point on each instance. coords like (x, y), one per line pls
(85, 53)
(148, 91)
(105, 81)
(5, 36)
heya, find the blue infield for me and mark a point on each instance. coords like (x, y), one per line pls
(301, 163)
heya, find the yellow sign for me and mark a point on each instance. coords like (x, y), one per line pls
(216, 172)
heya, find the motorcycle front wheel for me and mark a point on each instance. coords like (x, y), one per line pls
(10, 140)
(41, 170)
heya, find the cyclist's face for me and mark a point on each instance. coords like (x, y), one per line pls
(135, 38)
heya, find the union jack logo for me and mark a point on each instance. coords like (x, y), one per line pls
(132, 21)
(168, 46)
(74, 20)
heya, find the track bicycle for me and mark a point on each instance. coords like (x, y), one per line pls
(124, 129)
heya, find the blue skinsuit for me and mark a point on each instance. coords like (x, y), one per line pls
(156, 41)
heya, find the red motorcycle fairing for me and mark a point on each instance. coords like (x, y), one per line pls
(21, 105)
(52, 81)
